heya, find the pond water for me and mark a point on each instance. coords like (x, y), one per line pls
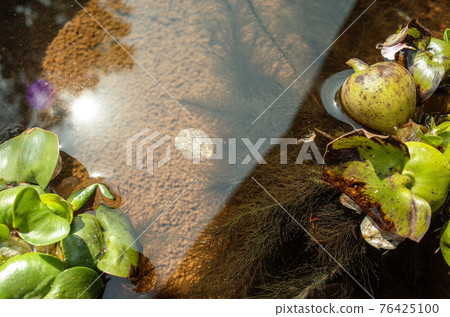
(128, 76)
(167, 66)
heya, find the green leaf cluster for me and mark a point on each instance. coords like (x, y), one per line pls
(438, 135)
(46, 252)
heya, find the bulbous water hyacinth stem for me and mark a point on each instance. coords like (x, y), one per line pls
(381, 97)
(357, 64)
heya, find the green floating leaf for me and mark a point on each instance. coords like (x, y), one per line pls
(445, 242)
(79, 198)
(41, 222)
(4, 232)
(393, 182)
(29, 275)
(58, 205)
(122, 250)
(7, 198)
(76, 283)
(30, 157)
(447, 36)
(83, 246)
(105, 192)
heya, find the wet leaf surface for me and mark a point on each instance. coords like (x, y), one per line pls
(30, 157)
(122, 251)
(29, 275)
(41, 220)
(76, 283)
(80, 197)
(440, 51)
(7, 198)
(83, 246)
(427, 74)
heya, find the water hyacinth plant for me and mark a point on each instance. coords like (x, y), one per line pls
(46, 252)
(400, 174)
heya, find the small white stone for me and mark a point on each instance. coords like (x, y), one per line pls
(194, 144)
(379, 238)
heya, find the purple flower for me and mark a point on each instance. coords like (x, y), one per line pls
(41, 94)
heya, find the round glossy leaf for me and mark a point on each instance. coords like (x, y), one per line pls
(7, 198)
(122, 250)
(29, 275)
(83, 246)
(30, 157)
(58, 205)
(119, 258)
(36, 222)
(76, 283)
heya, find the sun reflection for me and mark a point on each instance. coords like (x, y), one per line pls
(85, 108)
